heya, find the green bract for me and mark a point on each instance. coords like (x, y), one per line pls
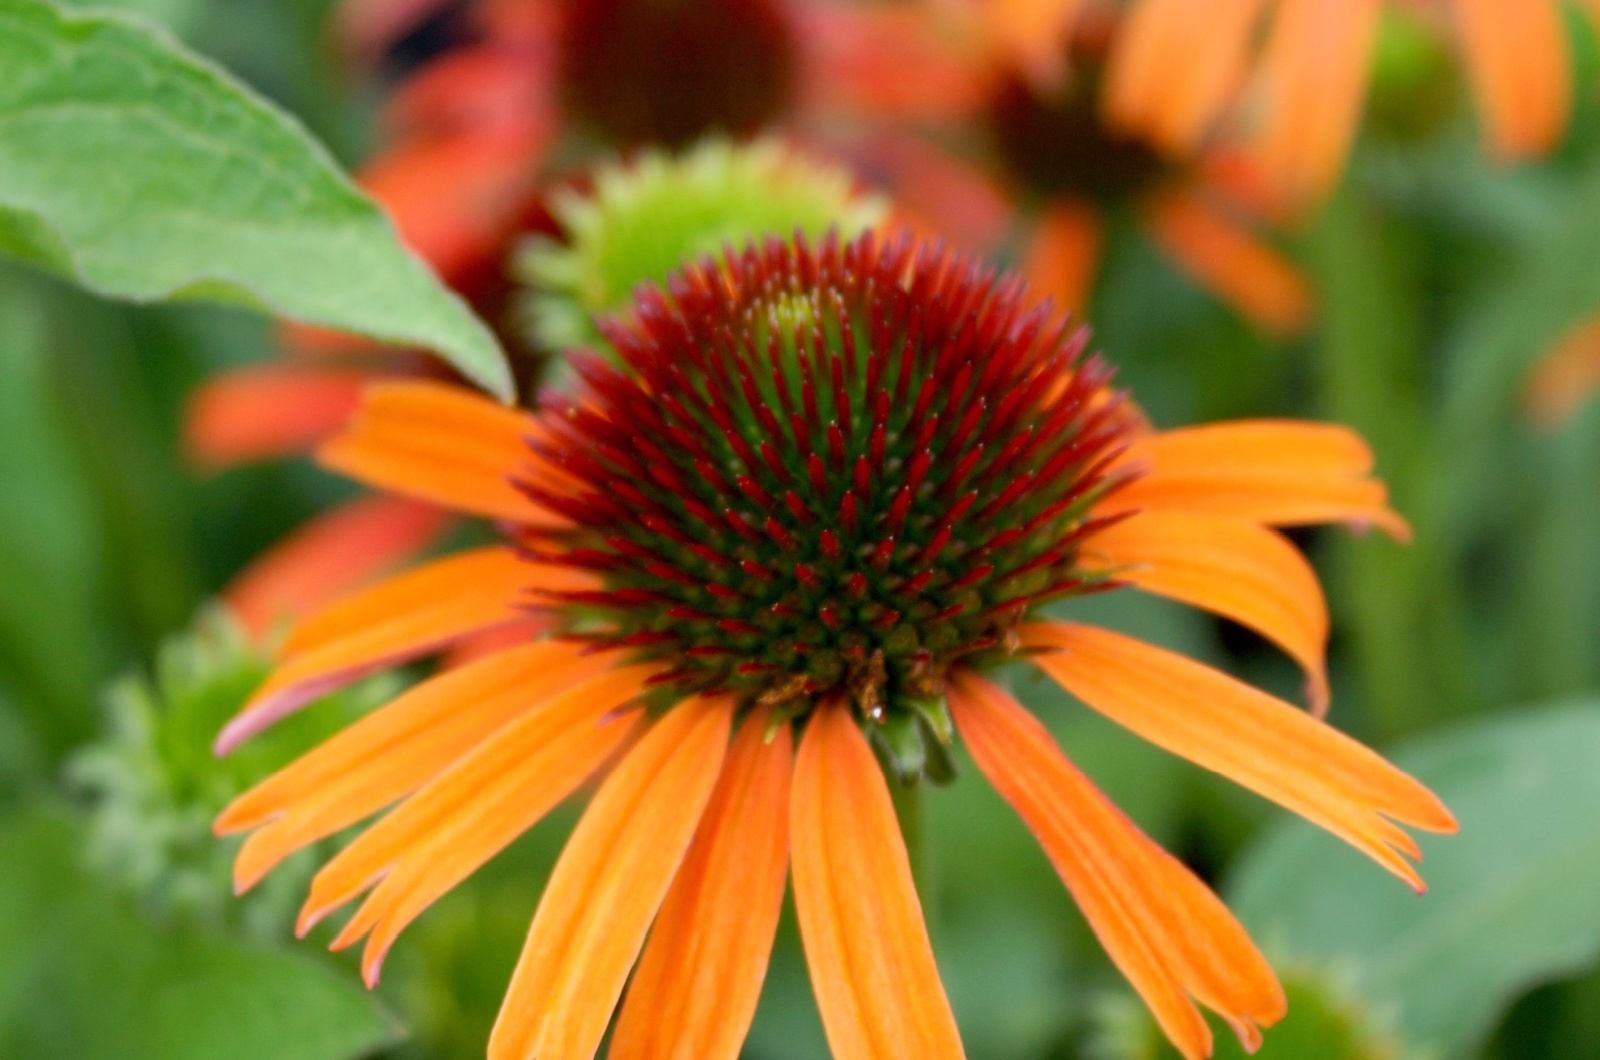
(139, 170)
(154, 786)
(644, 220)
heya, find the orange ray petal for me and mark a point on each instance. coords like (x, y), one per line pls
(440, 443)
(456, 198)
(871, 964)
(1248, 274)
(370, 26)
(1230, 567)
(1246, 735)
(471, 812)
(1314, 73)
(606, 888)
(934, 190)
(1033, 34)
(1565, 377)
(1064, 254)
(1278, 472)
(884, 61)
(694, 992)
(485, 88)
(1168, 933)
(1158, 81)
(395, 750)
(329, 556)
(396, 620)
(1516, 56)
(266, 412)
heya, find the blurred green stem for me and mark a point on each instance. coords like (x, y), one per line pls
(909, 810)
(1398, 602)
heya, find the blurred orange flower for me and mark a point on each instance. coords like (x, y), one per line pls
(1297, 91)
(1045, 147)
(824, 494)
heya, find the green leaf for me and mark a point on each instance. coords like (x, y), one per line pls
(50, 545)
(174, 14)
(83, 976)
(142, 171)
(1512, 900)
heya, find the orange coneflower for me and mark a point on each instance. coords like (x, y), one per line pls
(1182, 65)
(820, 496)
(473, 138)
(1068, 171)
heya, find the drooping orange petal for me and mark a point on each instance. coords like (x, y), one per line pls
(266, 412)
(472, 811)
(1168, 933)
(1314, 72)
(1230, 567)
(1162, 83)
(1254, 278)
(370, 26)
(484, 87)
(1565, 377)
(606, 888)
(334, 553)
(456, 198)
(443, 444)
(475, 646)
(1033, 34)
(884, 61)
(871, 964)
(396, 620)
(1064, 254)
(694, 992)
(1517, 60)
(1278, 472)
(395, 750)
(1260, 742)
(934, 190)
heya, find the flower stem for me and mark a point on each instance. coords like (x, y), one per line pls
(909, 809)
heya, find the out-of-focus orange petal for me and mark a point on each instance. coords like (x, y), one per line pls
(1252, 277)
(475, 646)
(885, 61)
(1168, 933)
(694, 992)
(1278, 472)
(1314, 72)
(1033, 35)
(607, 886)
(440, 443)
(472, 811)
(1566, 377)
(1064, 253)
(334, 553)
(367, 27)
(1230, 567)
(1516, 56)
(1162, 81)
(473, 88)
(934, 190)
(1260, 742)
(871, 964)
(396, 620)
(395, 750)
(456, 198)
(265, 412)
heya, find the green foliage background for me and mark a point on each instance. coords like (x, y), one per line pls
(1473, 656)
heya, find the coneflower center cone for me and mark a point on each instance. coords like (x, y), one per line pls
(672, 71)
(828, 471)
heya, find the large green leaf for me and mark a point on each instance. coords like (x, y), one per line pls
(84, 976)
(141, 171)
(1513, 900)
